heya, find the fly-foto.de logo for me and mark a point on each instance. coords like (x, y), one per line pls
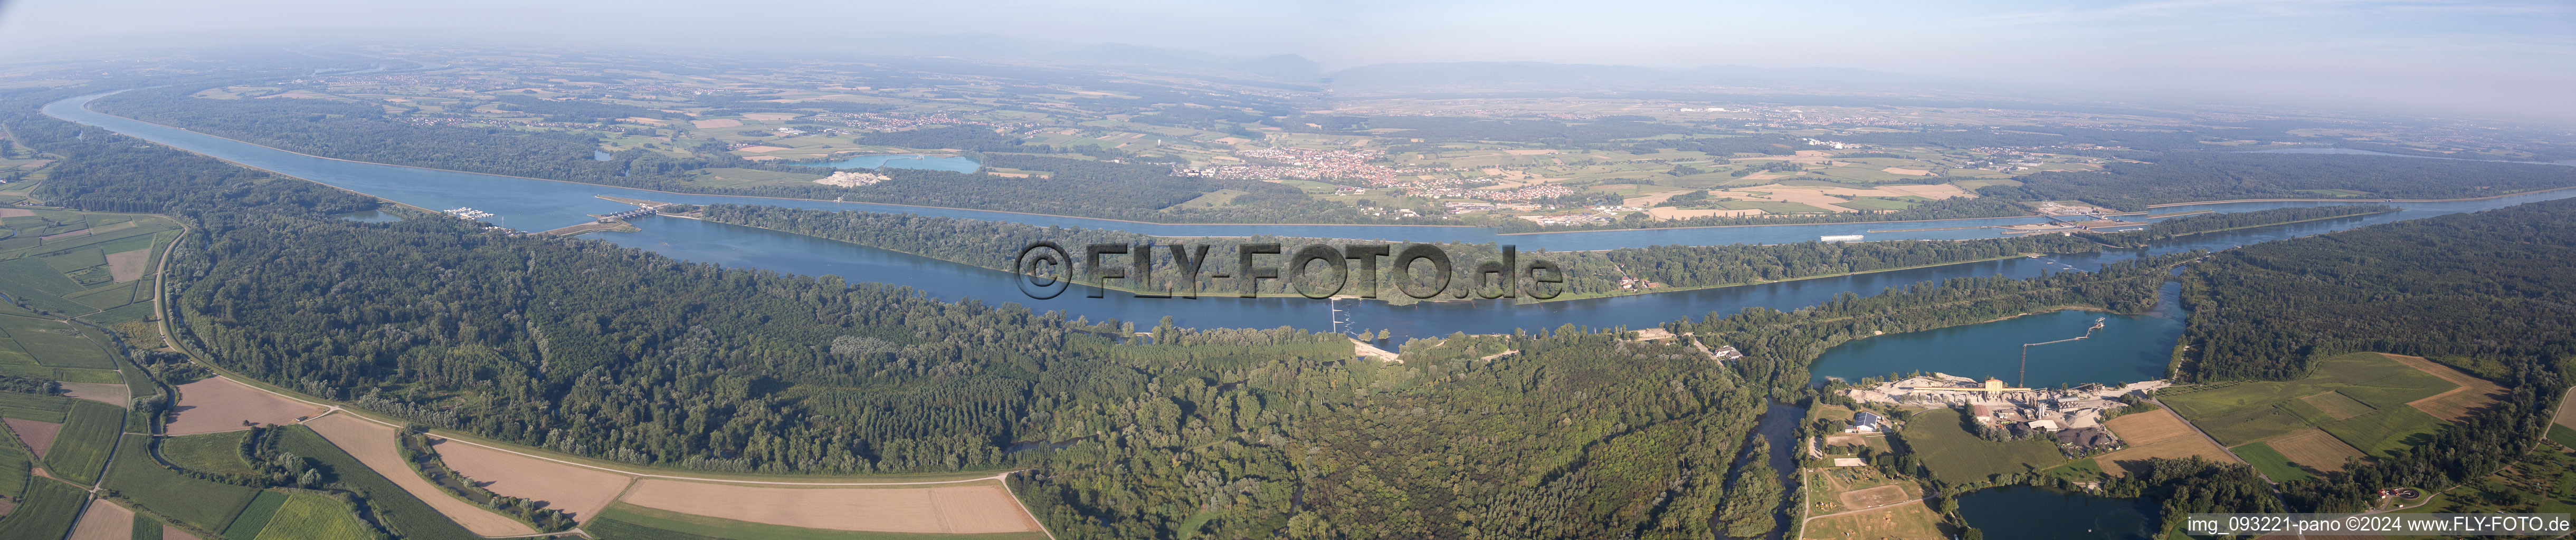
(1420, 271)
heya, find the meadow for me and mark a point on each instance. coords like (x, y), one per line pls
(1958, 457)
(2352, 405)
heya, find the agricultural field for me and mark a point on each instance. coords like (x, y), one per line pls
(34, 407)
(83, 264)
(80, 451)
(104, 521)
(219, 404)
(2155, 434)
(1842, 489)
(203, 504)
(256, 516)
(16, 467)
(218, 453)
(35, 345)
(629, 522)
(45, 511)
(1958, 457)
(2351, 406)
(578, 491)
(2270, 462)
(308, 516)
(975, 507)
(2237, 413)
(1906, 522)
(366, 455)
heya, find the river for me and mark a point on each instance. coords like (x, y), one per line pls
(529, 204)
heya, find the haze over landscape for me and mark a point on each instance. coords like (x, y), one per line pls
(2506, 60)
(662, 270)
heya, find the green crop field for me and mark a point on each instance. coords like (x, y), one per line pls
(398, 510)
(1874, 203)
(2271, 462)
(2563, 436)
(199, 503)
(72, 375)
(1956, 456)
(146, 528)
(89, 432)
(2238, 413)
(30, 339)
(73, 274)
(15, 466)
(46, 511)
(255, 517)
(621, 521)
(218, 453)
(307, 516)
(34, 407)
(2387, 431)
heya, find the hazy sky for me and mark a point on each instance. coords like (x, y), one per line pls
(2514, 59)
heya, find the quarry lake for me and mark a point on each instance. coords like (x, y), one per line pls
(2128, 348)
(2033, 513)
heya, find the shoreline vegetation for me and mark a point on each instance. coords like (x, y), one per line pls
(2209, 223)
(1588, 274)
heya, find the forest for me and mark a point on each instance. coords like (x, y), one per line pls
(2189, 225)
(2216, 176)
